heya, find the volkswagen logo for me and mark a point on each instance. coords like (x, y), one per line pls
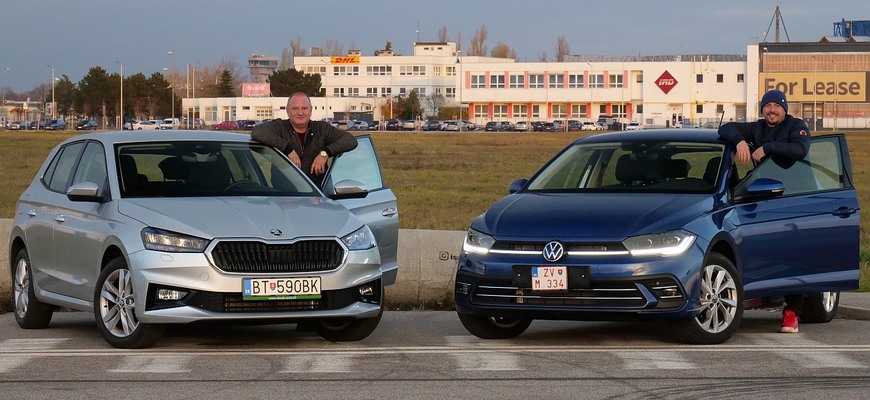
(553, 251)
(276, 232)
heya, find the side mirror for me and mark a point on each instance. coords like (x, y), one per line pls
(516, 185)
(348, 189)
(761, 188)
(85, 191)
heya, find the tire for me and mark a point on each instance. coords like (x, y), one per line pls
(721, 298)
(30, 313)
(115, 309)
(494, 327)
(347, 330)
(820, 308)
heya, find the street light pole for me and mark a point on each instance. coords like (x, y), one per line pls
(3, 84)
(459, 93)
(172, 90)
(122, 95)
(53, 105)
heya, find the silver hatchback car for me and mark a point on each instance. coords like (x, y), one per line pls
(149, 229)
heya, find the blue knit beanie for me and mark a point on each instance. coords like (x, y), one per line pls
(774, 96)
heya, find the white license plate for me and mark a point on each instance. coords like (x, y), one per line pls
(281, 288)
(549, 278)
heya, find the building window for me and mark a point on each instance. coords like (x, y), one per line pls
(559, 111)
(372, 92)
(576, 81)
(578, 110)
(639, 109)
(699, 108)
(720, 109)
(699, 78)
(615, 81)
(379, 70)
(450, 92)
(338, 92)
(720, 78)
(353, 92)
(536, 81)
(499, 111)
(639, 78)
(481, 110)
(739, 78)
(618, 110)
(387, 91)
(521, 111)
(536, 111)
(344, 70)
(478, 81)
(451, 70)
(557, 81)
(412, 70)
(421, 91)
(436, 70)
(496, 81)
(596, 81)
(518, 81)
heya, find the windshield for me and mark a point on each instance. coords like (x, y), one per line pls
(207, 168)
(633, 166)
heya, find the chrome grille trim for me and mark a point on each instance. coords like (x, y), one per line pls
(252, 256)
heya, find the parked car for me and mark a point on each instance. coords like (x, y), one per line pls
(374, 125)
(589, 126)
(537, 126)
(144, 126)
(521, 126)
(496, 126)
(574, 125)
(409, 125)
(193, 123)
(170, 123)
(148, 217)
(452, 126)
(432, 125)
(358, 126)
(226, 126)
(633, 126)
(468, 125)
(246, 124)
(86, 125)
(342, 125)
(55, 125)
(392, 125)
(662, 225)
(17, 125)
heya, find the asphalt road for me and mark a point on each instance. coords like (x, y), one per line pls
(429, 355)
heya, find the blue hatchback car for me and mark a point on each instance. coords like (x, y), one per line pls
(662, 224)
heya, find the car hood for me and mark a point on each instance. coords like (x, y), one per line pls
(590, 216)
(255, 216)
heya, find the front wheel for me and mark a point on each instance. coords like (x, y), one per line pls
(494, 327)
(115, 309)
(30, 313)
(347, 330)
(721, 301)
(820, 307)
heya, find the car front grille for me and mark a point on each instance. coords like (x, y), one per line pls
(233, 302)
(607, 294)
(260, 257)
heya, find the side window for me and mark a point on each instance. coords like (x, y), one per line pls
(360, 164)
(92, 167)
(58, 172)
(822, 169)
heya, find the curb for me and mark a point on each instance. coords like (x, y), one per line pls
(856, 313)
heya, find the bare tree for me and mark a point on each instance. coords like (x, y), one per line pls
(434, 102)
(562, 48)
(333, 48)
(502, 50)
(459, 41)
(543, 56)
(296, 47)
(442, 34)
(478, 48)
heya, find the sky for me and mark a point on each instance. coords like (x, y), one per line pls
(73, 36)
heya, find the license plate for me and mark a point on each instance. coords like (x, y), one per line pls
(549, 278)
(281, 288)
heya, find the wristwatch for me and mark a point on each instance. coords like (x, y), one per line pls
(324, 155)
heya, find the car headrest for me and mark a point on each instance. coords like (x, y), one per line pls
(174, 168)
(676, 168)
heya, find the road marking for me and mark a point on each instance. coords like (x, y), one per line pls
(7, 364)
(153, 364)
(14, 345)
(654, 360)
(321, 363)
(488, 362)
(806, 358)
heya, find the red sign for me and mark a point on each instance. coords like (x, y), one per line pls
(255, 90)
(666, 82)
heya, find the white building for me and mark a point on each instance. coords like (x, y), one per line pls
(655, 91)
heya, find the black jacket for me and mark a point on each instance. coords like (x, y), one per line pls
(321, 136)
(789, 140)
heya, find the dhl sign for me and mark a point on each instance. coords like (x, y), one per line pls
(344, 60)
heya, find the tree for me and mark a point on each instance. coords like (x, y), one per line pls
(502, 50)
(96, 89)
(478, 48)
(286, 82)
(333, 48)
(434, 102)
(562, 48)
(288, 55)
(442, 34)
(65, 95)
(226, 86)
(409, 106)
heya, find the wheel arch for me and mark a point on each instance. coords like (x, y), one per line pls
(110, 254)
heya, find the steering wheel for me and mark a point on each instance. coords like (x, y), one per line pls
(238, 184)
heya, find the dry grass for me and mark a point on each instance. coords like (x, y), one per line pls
(442, 180)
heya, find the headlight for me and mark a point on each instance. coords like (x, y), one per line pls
(669, 243)
(476, 242)
(361, 239)
(160, 240)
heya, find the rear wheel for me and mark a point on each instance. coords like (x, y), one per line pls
(115, 309)
(820, 307)
(721, 300)
(494, 327)
(30, 313)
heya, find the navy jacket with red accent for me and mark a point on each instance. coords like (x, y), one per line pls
(789, 139)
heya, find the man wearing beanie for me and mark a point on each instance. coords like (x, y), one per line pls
(782, 137)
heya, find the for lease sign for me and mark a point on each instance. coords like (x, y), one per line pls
(822, 86)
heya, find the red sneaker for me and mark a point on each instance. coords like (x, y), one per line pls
(789, 322)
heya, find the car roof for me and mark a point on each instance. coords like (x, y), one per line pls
(684, 135)
(115, 137)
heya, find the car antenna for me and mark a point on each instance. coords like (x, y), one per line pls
(721, 119)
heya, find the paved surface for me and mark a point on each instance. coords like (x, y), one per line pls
(854, 305)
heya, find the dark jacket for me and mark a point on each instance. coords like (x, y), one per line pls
(321, 136)
(789, 140)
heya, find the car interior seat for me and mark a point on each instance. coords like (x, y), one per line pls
(132, 182)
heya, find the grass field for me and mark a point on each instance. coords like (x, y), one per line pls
(442, 180)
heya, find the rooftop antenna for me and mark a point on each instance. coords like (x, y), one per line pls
(418, 31)
(777, 16)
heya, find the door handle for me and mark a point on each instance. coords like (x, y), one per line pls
(31, 212)
(60, 218)
(389, 212)
(844, 212)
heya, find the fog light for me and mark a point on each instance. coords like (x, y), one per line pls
(463, 288)
(170, 294)
(366, 290)
(670, 292)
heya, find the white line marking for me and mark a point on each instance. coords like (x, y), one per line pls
(654, 360)
(488, 362)
(7, 364)
(16, 345)
(153, 364)
(320, 363)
